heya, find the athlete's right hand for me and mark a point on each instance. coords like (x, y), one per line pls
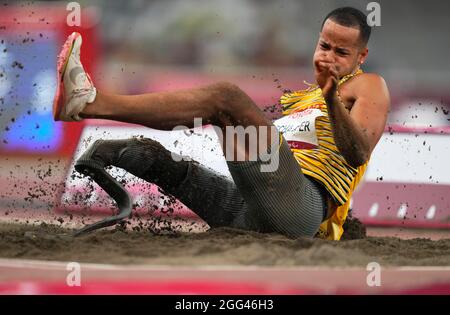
(327, 78)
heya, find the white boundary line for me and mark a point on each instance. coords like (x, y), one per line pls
(46, 265)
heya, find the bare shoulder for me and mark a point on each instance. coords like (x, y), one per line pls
(370, 90)
(369, 82)
(365, 87)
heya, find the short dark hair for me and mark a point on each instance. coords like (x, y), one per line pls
(351, 17)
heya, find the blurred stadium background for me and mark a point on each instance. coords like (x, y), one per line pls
(263, 46)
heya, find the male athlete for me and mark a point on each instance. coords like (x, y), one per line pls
(324, 142)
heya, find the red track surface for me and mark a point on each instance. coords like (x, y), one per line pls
(40, 277)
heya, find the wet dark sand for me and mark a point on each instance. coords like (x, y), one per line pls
(223, 246)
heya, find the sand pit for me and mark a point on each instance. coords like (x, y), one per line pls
(222, 246)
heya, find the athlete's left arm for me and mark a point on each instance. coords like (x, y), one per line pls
(356, 133)
(370, 109)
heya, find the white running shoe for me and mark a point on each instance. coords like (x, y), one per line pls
(74, 89)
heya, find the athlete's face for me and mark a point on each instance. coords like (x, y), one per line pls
(339, 45)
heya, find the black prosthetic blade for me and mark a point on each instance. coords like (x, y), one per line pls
(112, 188)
